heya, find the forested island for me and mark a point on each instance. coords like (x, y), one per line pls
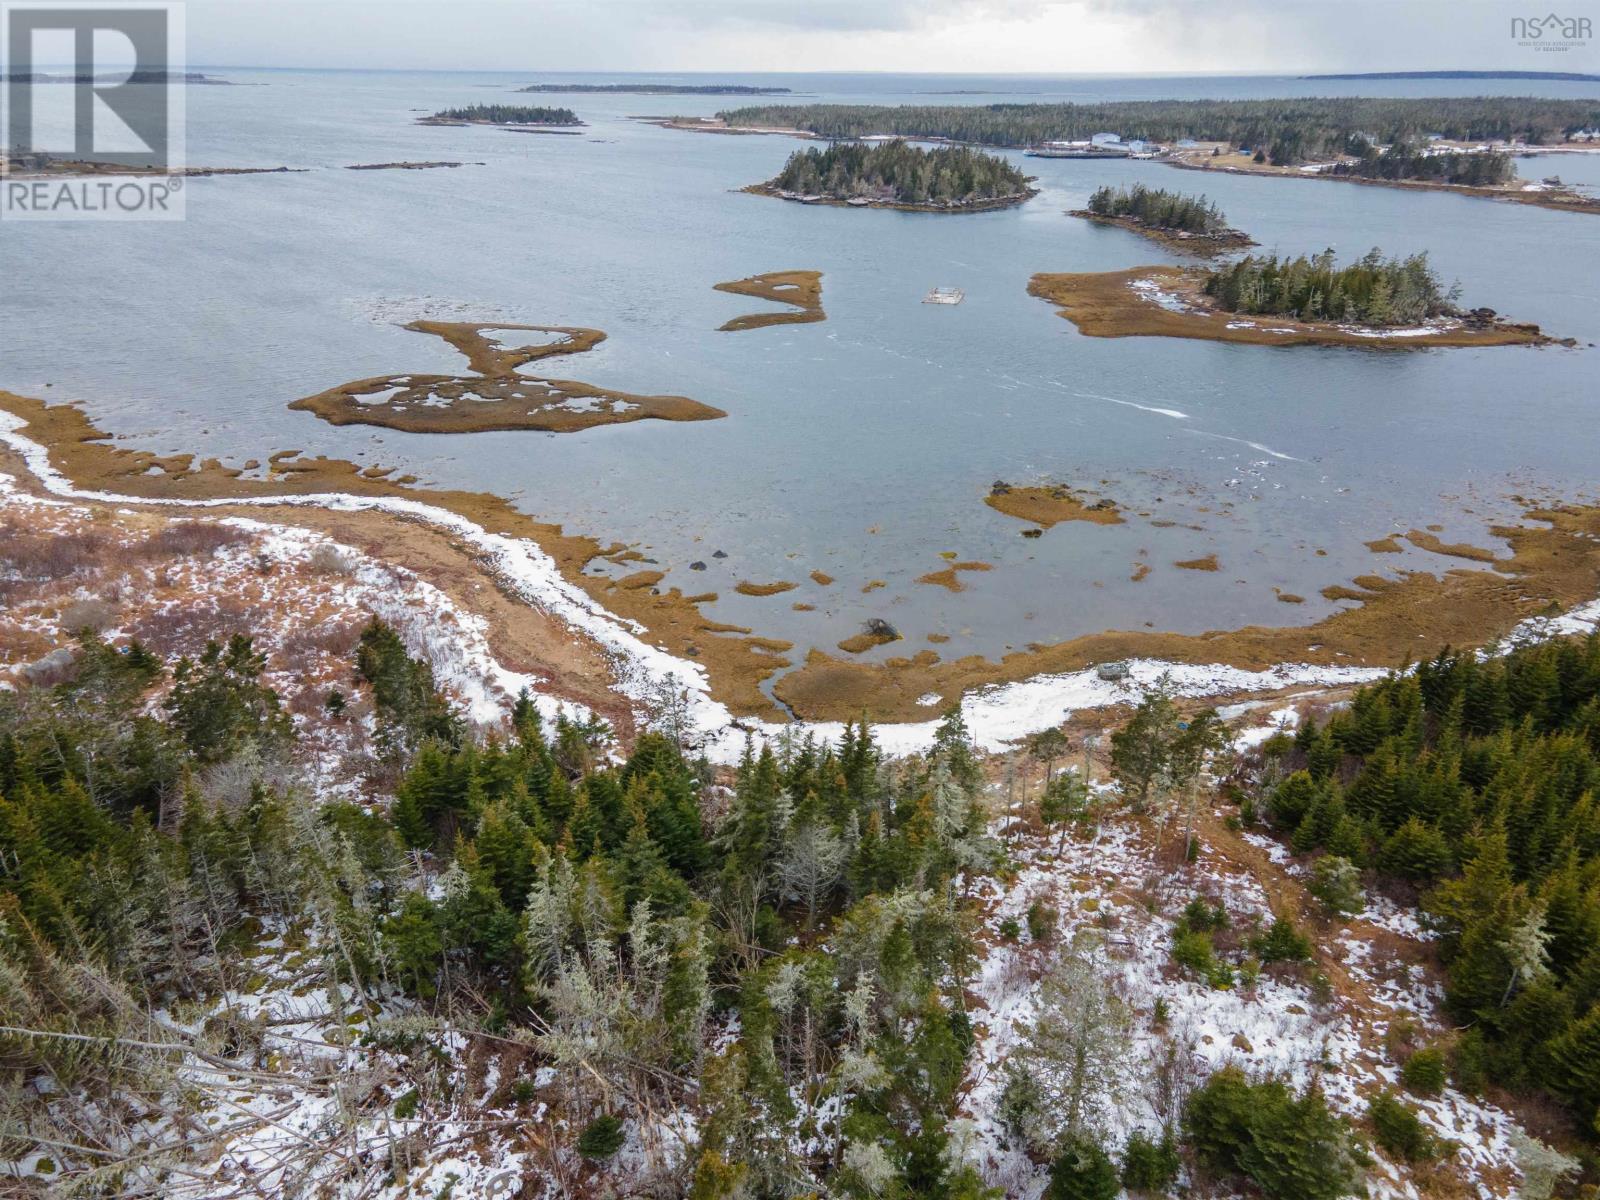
(899, 175)
(1375, 301)
(1373, 291)
(502, 114)
(653, 89)
(1290, 130)
(1186, 222)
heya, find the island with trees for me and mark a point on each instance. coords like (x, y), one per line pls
(1309, 300)
(1189, 223)
(897, 174)
(652, 89)
(1455, 143)
(508, 115)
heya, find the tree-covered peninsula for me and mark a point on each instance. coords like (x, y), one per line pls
(1290, 130)
(504, 114)
(898, 174)
(1406, 161)
(1394, 303)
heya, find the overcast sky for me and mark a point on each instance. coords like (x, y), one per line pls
(1020, 36)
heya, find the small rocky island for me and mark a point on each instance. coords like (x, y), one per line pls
(1191, 224)
(897, 174)
(506, 116)
(1051, 504)
(1374, 302)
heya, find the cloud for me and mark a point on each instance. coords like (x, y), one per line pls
(844, 16)
(995, 36)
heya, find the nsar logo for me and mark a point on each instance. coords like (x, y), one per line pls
(1551, 32)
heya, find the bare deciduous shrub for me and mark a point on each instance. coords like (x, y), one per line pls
(183, 539)
(328, 559)
(306, 702)
(93, 615)
(303, 648)
(185, 629)
(28, 559)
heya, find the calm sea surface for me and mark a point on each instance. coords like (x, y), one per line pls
(860, 447)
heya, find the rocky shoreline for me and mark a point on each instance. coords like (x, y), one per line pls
(1223, 241)
(988, 204)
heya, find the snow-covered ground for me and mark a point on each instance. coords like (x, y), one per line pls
(301, 582)
(1110, 884)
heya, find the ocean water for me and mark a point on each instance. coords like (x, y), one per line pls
(862, 446)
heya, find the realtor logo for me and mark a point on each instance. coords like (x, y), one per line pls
(91, 110)
(1551, 32)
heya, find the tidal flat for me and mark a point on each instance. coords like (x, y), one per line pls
(1553, 565)
(497, 397)
(801, 290)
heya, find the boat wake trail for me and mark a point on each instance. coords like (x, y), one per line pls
(1243, 442)
(1164, 412)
